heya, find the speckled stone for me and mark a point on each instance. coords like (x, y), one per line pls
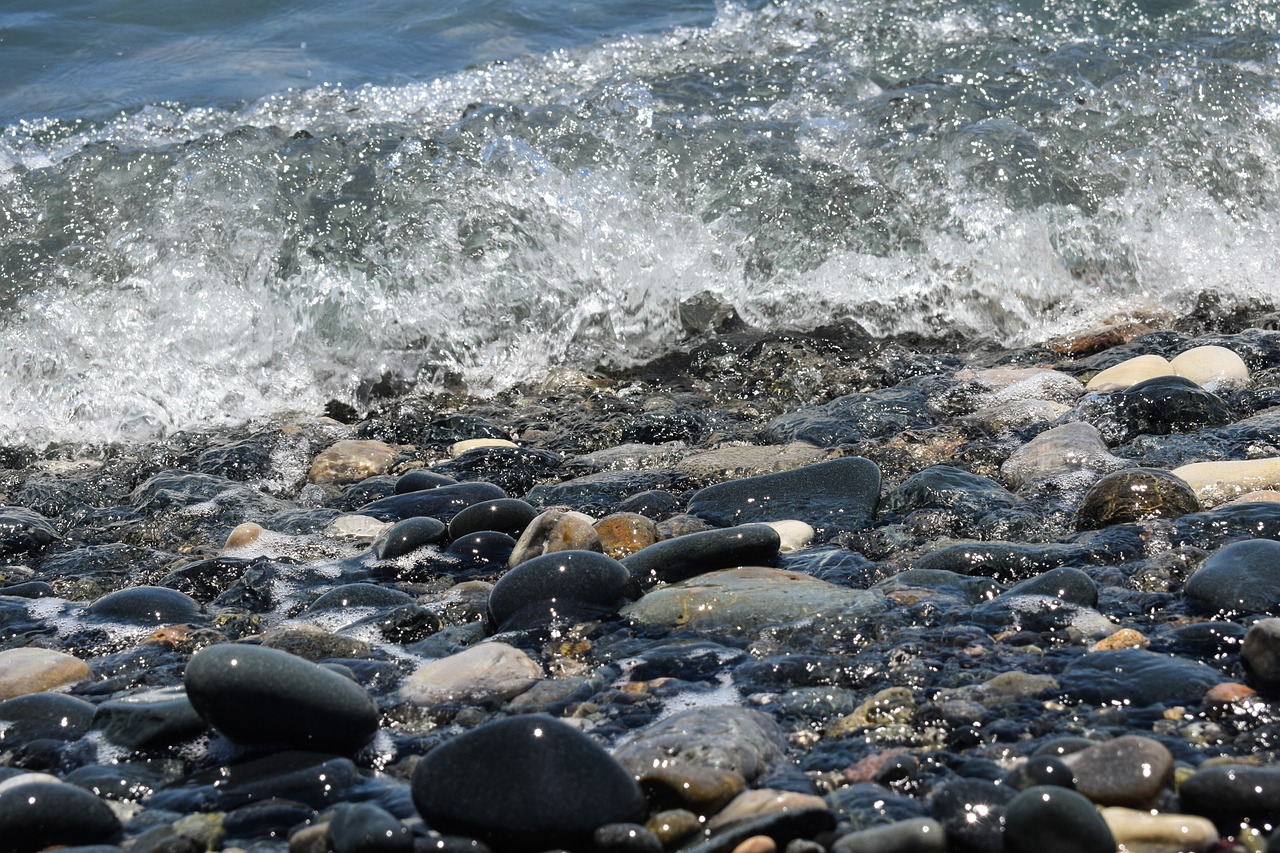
(482, 674)
(624, 533)
(1135, 494)
(1130, 771)
(351, 460)
(1072, 448)
(556, 529)
(24, 671)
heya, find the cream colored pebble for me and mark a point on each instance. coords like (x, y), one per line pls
(1218, 482)
(793, 533)
(1211, 367)
(1129, 372)
(460, 447)
(1137, 831)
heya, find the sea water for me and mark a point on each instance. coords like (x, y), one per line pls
(212, 212)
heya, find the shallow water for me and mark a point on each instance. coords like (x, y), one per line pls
(211, 245)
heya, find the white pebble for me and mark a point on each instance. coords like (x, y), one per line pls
(1130, 372)
(1211, 367)
(794, 534)
(460, 447)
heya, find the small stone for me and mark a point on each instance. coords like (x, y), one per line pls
(890, 706)
(358, 527)
(793, 535)
(1129, 372)
(625, 838)
(243, 535)
(1040, 770)
(1072, 448)
(256, 695)
(673, 825)
(359, 595)
(484, 674)
(504, 515)
(1228, 693)
(972, 813)
(149, 719)
(443, 502)
(1167, 832)
(1261, 651)
(24, 671)
(556, 529)
(1218, 482)
(37, 815)
(52, 716)
(558, 786)
(757, 844)
(351, 460)
(914, 835)
(1240, 578)
(753, 803)
(1130, 771)
(1012, 414)
(564, 586)
(740, 461)
(1135, 494)
(460, 447)
(1049, 819)
(408, 535)
(366, 828)
(146, 605)
(1125, 638)
(1211, 367)
(624, 533)
(419, 480)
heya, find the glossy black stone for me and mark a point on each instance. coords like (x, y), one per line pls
(696, 553)
(504, 515)
(55, 716)
(420, 480)
(408, 535)
(1052, 819)
(359, 595)
(1240, 578)
(43, 814)
(146, 605)
(557, 587)
(443, 503)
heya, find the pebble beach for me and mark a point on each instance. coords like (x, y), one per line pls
(774, 591)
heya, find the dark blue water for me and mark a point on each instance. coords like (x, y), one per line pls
(221, 211)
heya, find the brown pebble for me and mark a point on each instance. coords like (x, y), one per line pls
(1227, 693)
(351, 460)
(673, 825)
(624, 533)
(243, 534)
(1125, 638)
(757, 844)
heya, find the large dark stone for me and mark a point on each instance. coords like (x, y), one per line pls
(1241, 578)
(693, 554)
(560, 586)
(524, 784)
(505, 515)
(443, 503)
(853, 418)
(145, 720)
(54, 716)
(146, 605)
(22, 530)
(1137, 678)
(44, 814)
(1233, 795)
(1051, 819)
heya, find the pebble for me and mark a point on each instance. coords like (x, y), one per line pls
(351, 460)
(793, 535)
(852, 418)
(504, 515)
(23, 531)
(1137, 678)
(624, 533)
(356, 595)
(1211, 367)
(1135, 494)
(460, 447)
(358, 527)
(1229, 795)
(1240, 578)
(1161, 406)
(1129, 372)
(419, 480)
(556, 529)
(407, 536)
(738, 461)
(972, 813)
(443, 502)
(1261, 652)
(914, 835)
(152, 718)
(834, 496)
(694, 554)
(758, 801)
(1220, 481)
(558, 587)
(558, 786)
(33, 670)
(1141, 831)
(1050, 819)
(1130, 770)
(146, 605)
(36, 716)
(1013, 414)
(257, 695)
(366, 828)
(1040, 770)
(1072, 448)
(37, 815)
(487, 673)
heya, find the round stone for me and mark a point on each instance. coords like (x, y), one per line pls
(54, 716)
(558, 786)
(505, 515)
(1129, 372)
(37, 815)
(560, 586)
(351, 460)
(1137, 678)
(258, 695)
(1050, 819)
(1068, 449)
(1237, 579)
(556, 529)
(33, 670)
(1130, 770)
(359, 595)
(694, 554)
(1040, 770)
(1211, 367)
(146, 605)
(408, 535)
(442, 502)
(1135, 494)
(485, 548)
(624, 533)
(1261, 651)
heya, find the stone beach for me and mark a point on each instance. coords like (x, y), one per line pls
(794, 592)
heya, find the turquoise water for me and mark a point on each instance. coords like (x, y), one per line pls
(211, 217)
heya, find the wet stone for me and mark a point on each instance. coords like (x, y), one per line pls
(556, 529)
(650, 503)
(46, 814)
(485, 550)
(149, 719)
(514, 469)
(488, 673)
(1129, 372)
(1219, 481)
(1050, 819)
(1040, 770)
(1141, 830)
(1135, 494)
(1007, 562)
(504, 515)
(914, 835)
(35, 716)
(853, 418)
(971, 812)
(366, 828)
(317, 779)
(558, 587)
(32, 670)
(1240, 578)
(442, 503)
(1130, 770)
(408, 535)
(1072, 448)
(359, 595)
(946, 487)
(1157, 406)
(1138, 678)
(146, 605)
(351, 460)
(1260, 652)
(1211, 530)
(697, 553)
(558, 786)
(23, 531)
(600, 493)
(419, 480)
(1233, 794)
(624, 533)
(258, 695)
(839, 495)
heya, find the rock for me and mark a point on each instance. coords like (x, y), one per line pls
(1004, 689)
(516, 470)
(1263, 496)
(358, 527)
(743, 600)
(460, 447)
(485, 550)
(359, 595)
(556, 529)
(35, 716)
(1261, 651)
(625, 838)
(1211, 367)
(888, 707)
(914, 835)
(1164, 405)
(1218, 482)
(149, 719)
(1072, 448)
(408, 535)
(751, 804)
(313, 643)
(442, 503)
(1129, 372)
(504, 515)
(1137, 678)
(736, 462)
(366, 828)
(23, 531)
(1135, 494)
(1141, 831)
(630, 456)
(557, 786)
(972, 813)
(1130, 771)
(624, 533)
(1125, 638)
(694, 554)
(37, 815)
(146, 605)
(1048, 819)
(33, 670)
(853, 418)
(243, 535)
(600, 493)
(793, 535)
(1240, 578)
(1231, 795)
(316, 779)
(484, 674)
(419, 480)
(1013, 414)
(1040, 770)
(565, 586)
(949, 488)
(351, 460)
(257, 695)
(778, 830)
(834, 496)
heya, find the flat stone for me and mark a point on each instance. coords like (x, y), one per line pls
(258, 695)
(1218, 482)
(1138, 678)
(146, 605)
(460, 447)
(408, 535)
(747, 460)
(1230, 795)
(23, 530)
(693, 554)
(351, 460)
(1140, 831)
(486, 673)
(1130, 372)
(1072, 448)
(1130, 771)
(1012, 414)
(742, 600)
(557, 786)
(1211, 367)
(834, 496)
(1240, 578)
(32, 670)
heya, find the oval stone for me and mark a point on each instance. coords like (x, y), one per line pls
(1135, 494)
(146, 605)
(524, 784)
(408, 535)
(443, 503)
(257, 695)
(1240, 578)
(54, 716)
(359, 595)
(37, 815)
(1050, 819)
(572, 585)
(694, 554)
(505, 515)
(33, 670)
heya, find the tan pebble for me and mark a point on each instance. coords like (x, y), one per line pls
(1217, 482)
(757, 844)
(762, 801)
(488, 672)
(724, 463)
(624, 533)
(243, 534)
(557, 529)
(794, 534)
(362, 528)
(1109, 334)
(170, 635)
(352, 460)
(1260, 496)
(1129, 372)
(1228, 692)
(1141, 831)
(24, 671)
(1211, 367)
(1125, 638)
(311, 839)
(701, 789)
(673, 825)
(460, 447)
(888, 706)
